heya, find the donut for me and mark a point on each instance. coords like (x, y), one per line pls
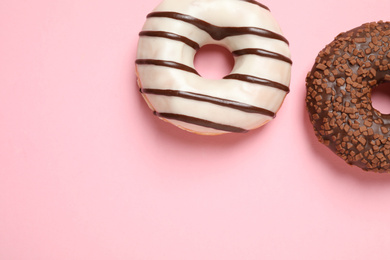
(247, 98)
(338, 96)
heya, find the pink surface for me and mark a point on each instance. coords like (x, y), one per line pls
(87, 172)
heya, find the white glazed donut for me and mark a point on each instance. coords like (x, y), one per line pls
(245, 99)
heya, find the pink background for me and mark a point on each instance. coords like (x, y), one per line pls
(87, 172)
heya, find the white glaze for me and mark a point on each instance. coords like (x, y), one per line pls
(225, 13)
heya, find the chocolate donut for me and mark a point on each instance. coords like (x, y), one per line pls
(338, 99)
(247, 98)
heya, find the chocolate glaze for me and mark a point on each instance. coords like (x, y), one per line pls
(241, 77)
(171, 36)
(171, 64)
(257, 3)
(263, 53)
(201, 122)
(196, 46)
(257, 80)
(338, 97)
(205, 98)
(217, 32)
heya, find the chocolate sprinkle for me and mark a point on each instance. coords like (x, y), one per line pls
(338, 99)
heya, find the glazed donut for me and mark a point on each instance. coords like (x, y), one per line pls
(245, 99)
(338, 99)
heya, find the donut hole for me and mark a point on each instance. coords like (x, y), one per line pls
(213, 61)
(380, 97)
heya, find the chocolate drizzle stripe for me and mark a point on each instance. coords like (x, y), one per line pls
(257, 3)
(263, 53)
(214, 100)
(171, 36)
(201, 122)
(256, 80)
(170, 64)
(217, 32)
